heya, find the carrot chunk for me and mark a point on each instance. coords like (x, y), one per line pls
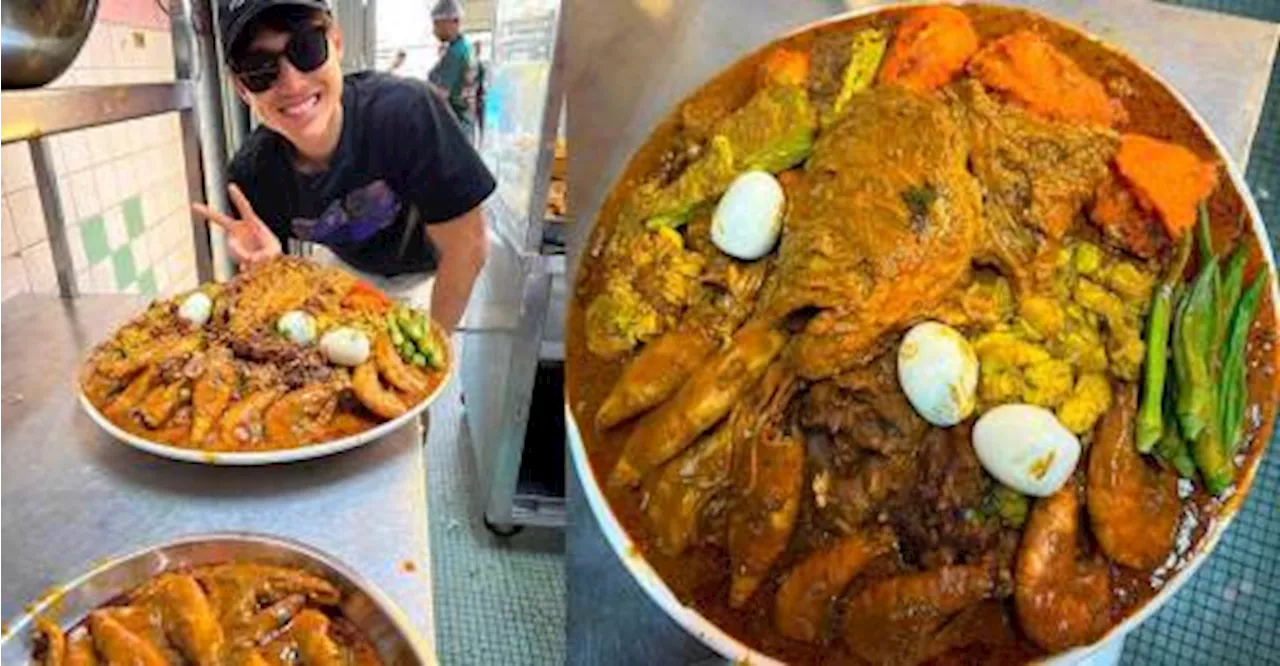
(1166, 178)
(1026, 68)
(785, 67)
(931, 46)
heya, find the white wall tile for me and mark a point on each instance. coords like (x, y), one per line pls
(117, 233)
(85, 192)
(79, 261)
(154, 240)
(104, 177)
(13, 276)
(119, 138)
(97, 51)
(9, 243)
(75, 151)
(104, 278)
(161, 271)
(38, 261)
(141, 254)
(15, 166)
(84, 282)
(28, 217)
(99, 144)
(67, 200)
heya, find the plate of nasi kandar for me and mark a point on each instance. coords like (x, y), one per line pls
(924, 334)
(286, 361)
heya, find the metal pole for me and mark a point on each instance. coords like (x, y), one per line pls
(203, 138)
(54, 220)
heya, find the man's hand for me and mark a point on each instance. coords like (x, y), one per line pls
(249, 240)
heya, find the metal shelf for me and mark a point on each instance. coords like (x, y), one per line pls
(34, 114)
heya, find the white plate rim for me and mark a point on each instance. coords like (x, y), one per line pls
(277, 456)
(690, 619)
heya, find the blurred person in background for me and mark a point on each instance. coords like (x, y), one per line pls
(452, 77)
(371, 166)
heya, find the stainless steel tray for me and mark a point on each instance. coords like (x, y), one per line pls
(362, 604)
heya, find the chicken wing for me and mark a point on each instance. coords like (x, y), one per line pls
(212, 393)
(122, 637)
(188, 619)
(702, 401)
(768, 474)
(683, 487)
(804, 598)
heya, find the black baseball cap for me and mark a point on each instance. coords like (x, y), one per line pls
(236, 15)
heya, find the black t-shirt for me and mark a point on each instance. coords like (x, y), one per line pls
(402, 163)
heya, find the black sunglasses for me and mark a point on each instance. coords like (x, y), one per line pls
(307, 49)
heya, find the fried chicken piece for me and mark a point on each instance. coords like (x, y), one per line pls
(768, 474)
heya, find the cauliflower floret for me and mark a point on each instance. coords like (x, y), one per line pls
(1090, 399)
(1094, 298)
(1006, 348)
(1126, 351)
(1048, 383)
(999, 384)
(1045, 315)
(1131, 283)
(619, 319)
(1087, 259)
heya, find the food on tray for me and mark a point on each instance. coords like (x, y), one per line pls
(238, 613)
(287, 354)
(894, 343)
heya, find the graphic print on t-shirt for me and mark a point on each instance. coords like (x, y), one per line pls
(353, 218)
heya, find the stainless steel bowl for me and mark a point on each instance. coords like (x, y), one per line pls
(40, 38)
(384, 625)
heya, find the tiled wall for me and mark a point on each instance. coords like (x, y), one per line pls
(122, 187)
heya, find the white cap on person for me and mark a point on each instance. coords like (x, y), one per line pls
(446, 10)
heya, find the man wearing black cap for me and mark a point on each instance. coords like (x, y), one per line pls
(371, 166)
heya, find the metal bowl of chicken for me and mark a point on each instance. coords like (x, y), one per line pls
(359, 607)
(701, 458)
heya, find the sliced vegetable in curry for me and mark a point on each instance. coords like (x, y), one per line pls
(946, 415)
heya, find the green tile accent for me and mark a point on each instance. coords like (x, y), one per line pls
(126, 273)
(133, 216)
(93, 233)
(147, 283)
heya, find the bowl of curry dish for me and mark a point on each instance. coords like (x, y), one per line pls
(922, 334)
(286, 361)
(226, 598)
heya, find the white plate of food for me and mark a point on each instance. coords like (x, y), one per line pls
(922, 425)
(287, 361)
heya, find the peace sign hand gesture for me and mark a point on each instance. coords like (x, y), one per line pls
(249, 240)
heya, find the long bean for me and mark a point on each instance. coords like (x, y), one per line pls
(1228, 298)
(1150, 425)
(1234, 384)
(1197, 327)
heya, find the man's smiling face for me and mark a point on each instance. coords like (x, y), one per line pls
(304, 107)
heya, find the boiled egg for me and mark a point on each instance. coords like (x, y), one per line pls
(748, 220)
(1026, 448)
(938, 371)
(298, 326)
(345, 346)
(196, 308)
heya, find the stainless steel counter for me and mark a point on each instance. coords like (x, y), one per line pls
(629, 62)
(71, 495)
